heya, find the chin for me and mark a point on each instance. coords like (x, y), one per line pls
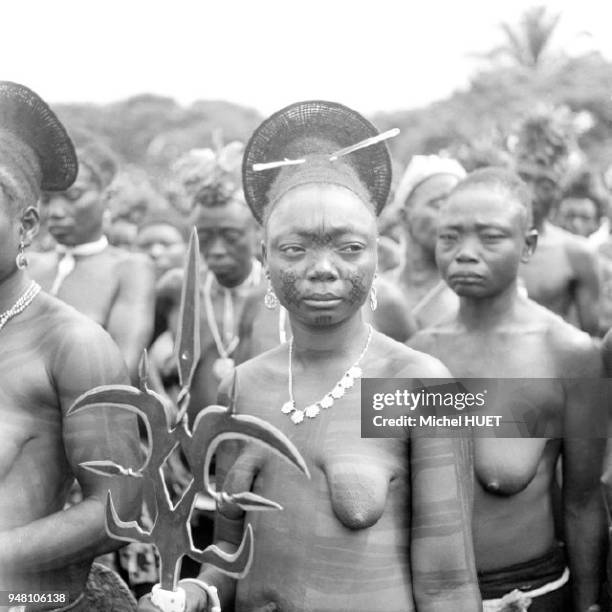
(471, 292)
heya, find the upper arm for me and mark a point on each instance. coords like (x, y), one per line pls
(585, 419)
(584, 264)
(87, 358)
(132, 315)
(441, 546)
(441, 473)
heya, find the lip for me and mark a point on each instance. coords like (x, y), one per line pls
(322, 300)
(322, 297)
(466, 277)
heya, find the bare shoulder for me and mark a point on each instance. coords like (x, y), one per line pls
(577, 354)
(579, 252)
(128, 262)
(428, 338)
(75, 347)
(398, 360)
(265, 365)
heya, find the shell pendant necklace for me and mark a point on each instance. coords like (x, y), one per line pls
(21, 304)
(346, 382)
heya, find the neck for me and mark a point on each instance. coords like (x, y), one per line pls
(90, 239)
(12, 287)
(485, 313)
(346, 337)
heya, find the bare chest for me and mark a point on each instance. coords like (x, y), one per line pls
(91, 287)
(352, 477)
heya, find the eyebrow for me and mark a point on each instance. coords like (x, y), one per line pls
(479, 226)
(333, 233)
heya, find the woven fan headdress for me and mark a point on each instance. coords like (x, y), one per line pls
(316, 141)
(31, 134)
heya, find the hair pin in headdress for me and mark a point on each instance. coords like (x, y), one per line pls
(277, 164)
(368, 142)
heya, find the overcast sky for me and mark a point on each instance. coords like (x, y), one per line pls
(375, 55)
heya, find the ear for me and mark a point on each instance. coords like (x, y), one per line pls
(531, 242)
(30, 224)
(264, 254)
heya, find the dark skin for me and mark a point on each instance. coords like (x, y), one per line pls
(483, 237)
(343, 540)
(52, 354)
(562, 274)
(227, 242)
(419, 276)
(114, 288)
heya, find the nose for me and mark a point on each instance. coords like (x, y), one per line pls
(467, 251)
(216, 248)
(322, 268)
(56, 208)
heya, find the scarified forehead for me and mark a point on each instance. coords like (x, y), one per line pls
(321, 210)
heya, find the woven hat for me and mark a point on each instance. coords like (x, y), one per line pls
(422, 167)
(302, 137)
(27, 119)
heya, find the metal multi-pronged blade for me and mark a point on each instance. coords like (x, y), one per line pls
(237, 564)
(217, 423)
(146, 404)
(127, 531)
(105, 467)
(161, 439)
(171, 531)
(187, 343)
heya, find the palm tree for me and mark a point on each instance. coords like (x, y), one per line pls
(526, 42)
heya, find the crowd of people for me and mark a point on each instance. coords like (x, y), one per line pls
(317, 270)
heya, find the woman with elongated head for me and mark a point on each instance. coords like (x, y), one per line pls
(316, 174)
(50, 354)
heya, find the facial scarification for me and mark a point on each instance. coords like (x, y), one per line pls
(322, 239)
(289, 289)
(359, 288)
(357, 294)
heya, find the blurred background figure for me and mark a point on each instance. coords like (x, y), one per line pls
(424, 186)
(113, 287)
(583, 206)
(562, 275)
(162, 237)
(122, 233)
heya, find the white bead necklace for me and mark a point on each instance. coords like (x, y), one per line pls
(21, 304)
(346, 382)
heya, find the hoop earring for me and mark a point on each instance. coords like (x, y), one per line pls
(270, 299)
(373, 299)
(373, 293)
(21, 260)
